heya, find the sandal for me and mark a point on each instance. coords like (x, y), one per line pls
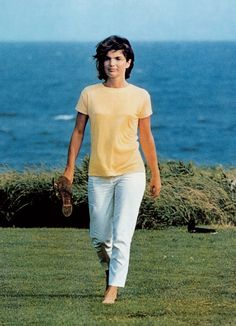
(64, 186)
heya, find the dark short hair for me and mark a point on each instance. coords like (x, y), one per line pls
(116, 43)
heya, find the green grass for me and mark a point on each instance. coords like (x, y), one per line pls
(52, 277)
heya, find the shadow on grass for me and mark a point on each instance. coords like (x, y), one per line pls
(51, 295)
(141, 315)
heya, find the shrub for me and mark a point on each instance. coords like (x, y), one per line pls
(190, 192)
(206, 194)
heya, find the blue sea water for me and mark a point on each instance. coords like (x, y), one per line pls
(192, 86)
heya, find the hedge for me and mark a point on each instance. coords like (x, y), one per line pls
(205, 194)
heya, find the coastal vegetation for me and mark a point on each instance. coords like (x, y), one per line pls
(189, 192)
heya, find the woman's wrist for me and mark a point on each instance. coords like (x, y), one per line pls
(155, 172)
(69, 170)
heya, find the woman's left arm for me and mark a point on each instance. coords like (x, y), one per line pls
(149, 149)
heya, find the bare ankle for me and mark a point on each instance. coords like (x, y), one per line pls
(112, 288)
(110, 294)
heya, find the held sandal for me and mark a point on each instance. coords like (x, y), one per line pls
(64, 187)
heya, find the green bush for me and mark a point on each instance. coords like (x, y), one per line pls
(206, 194)
(190, 192)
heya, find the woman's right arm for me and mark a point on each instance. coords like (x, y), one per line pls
(75, 145)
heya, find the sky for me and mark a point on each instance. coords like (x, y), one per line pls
(141, 20)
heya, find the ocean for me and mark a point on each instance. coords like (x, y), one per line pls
(192, 86)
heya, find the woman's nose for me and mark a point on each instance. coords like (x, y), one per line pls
(112, 62)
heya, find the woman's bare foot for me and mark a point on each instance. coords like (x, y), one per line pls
(110, 295)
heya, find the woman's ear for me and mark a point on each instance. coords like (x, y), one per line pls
(128, 63)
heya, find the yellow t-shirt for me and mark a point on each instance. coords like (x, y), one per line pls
(114, 114)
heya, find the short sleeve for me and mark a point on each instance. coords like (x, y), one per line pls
(146, 108)
(82, 104)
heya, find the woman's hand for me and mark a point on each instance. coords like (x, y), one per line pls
(155, 186)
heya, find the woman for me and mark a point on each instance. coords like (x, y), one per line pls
(117, 110)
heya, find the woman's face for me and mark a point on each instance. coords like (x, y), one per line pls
(115, 64)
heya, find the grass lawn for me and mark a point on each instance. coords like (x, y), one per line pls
(52, 277)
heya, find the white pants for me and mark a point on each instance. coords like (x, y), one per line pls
(113, 206)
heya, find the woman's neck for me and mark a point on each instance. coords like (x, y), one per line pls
(115, 83)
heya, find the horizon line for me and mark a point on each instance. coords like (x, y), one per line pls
(133, 40)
